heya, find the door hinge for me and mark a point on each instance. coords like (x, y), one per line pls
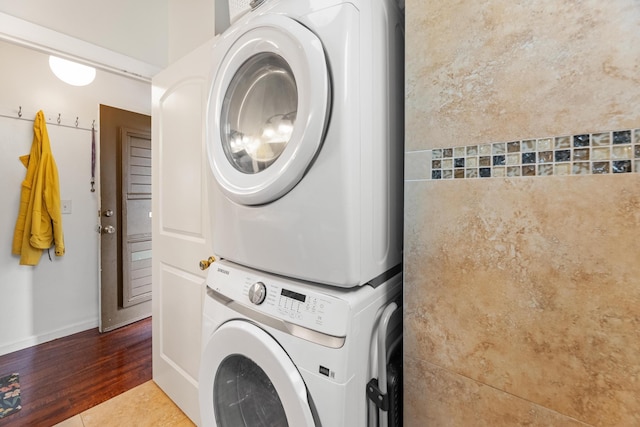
(380, 399)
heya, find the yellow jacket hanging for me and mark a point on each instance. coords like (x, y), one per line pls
(39, 224)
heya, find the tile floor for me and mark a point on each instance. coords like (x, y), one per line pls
(142, 406)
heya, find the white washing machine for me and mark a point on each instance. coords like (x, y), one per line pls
(305, 140)
(278, 352)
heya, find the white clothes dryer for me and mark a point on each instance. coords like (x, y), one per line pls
(305, 140)
(278, 352)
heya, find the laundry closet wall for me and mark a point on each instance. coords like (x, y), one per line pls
(57, 297)
(522, 293)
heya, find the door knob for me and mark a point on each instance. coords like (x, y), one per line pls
(205, 263)
(109, 229)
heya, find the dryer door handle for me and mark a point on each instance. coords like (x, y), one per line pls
(307, 334)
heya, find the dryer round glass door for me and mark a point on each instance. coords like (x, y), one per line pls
(268, 108)
(247, 379)
(259, 113)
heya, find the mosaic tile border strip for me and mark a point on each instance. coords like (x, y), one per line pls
(584, 154)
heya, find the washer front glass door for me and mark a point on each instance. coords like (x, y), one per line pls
(259, 112)
(248, 380)
(243, 395)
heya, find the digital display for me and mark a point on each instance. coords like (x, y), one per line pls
(294, 295)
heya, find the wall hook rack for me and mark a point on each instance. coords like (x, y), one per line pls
(25, 114)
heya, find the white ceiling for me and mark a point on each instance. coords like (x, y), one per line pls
(138, 29)
(155, 32)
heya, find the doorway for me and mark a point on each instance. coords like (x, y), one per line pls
(125, 217)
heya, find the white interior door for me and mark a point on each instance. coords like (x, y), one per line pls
(181, 225)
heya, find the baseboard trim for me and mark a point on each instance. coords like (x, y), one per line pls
(125, 323)
(48, 336)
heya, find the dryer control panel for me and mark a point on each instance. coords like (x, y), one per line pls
(294, 302)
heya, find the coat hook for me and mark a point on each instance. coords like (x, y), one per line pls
(76, 122)
(20, 111)
(59, 118)
(93, 125)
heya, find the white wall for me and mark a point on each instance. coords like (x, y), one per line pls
(60, 297)
(189, 27)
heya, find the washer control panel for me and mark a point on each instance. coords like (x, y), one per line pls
(291, 301)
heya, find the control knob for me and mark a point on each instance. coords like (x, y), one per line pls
(257, 293)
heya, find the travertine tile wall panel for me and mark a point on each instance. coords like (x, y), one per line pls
(443, 399)
(525, 286)
(417, 165)
(530, 285)
(490, 70)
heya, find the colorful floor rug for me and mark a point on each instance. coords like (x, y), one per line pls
(9, 395)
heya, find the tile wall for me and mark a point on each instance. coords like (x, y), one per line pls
(522, 213)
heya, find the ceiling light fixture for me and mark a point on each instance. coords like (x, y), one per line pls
(71, 72)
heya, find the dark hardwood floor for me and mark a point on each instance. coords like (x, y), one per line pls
(67, 376)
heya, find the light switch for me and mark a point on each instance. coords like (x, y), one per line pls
(65, 206)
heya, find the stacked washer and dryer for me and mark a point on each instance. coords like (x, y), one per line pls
(302, 317)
